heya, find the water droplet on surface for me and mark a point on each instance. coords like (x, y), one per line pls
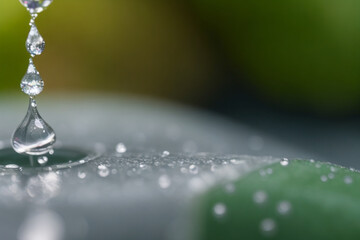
(348, 180)
(193, 169)
(230, 188)
(284, 162)
(236, 161)
(103, 171)
(32, 84)
(268, 227)
(333, 169)
(11, 166)
(81, 174)
(164, 181)
(42, 160)
(219, 210)
(323, 178)
(284, 207)
(165, 154)
(269, 171)
(260, 197)
(34, 136)
(36, 6)
(331, 176)
(35, 43)
(120, 148)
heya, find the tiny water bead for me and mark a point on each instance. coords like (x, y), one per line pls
(35, 43)
(32, 84)
(34, 136)
(36, 6)
(260, 197)
(284, 162)
(103, 171)
(120, 148)
(219, 209)
(268, 227)
(284, 207)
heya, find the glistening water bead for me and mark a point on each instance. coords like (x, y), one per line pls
(36, 6)
(33, 136)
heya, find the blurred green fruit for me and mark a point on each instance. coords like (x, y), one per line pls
(298, 53)
(302, 200)
(130, 46)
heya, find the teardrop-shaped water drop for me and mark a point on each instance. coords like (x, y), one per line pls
(36, 6)
(35, 43)
(34, 136)
(32, 84)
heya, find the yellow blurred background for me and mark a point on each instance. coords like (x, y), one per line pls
(301, 55)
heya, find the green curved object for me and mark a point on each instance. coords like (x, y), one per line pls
(303, 200)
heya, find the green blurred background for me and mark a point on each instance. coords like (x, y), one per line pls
(287, 67)
(290, 53)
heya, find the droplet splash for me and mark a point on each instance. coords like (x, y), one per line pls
(35, 43)
(32, 84)
(36, 6)
(34, 136)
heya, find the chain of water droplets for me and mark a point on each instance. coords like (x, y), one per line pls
(34, 136)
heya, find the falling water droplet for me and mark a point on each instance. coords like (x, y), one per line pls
(34, 136)
(35, 43)
(36, 6)
(32, 84)
(348, 180)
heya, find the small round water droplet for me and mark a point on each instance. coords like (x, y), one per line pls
(348, 180)
(120, 148)
(165, 154)
(284, 162)
(284, 207)
(268, 227)
(42, 160)
(193, 169)
(164, 181)
(333, 169)
(331, 176)
(230, 188)
(323, 178)
(34, 136)
(260, 197)
(318, 165)
(81, 174)
(219, 209)
(36, 6)
(103, 171)
(269, 171)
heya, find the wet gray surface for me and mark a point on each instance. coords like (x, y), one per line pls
(141, 191)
